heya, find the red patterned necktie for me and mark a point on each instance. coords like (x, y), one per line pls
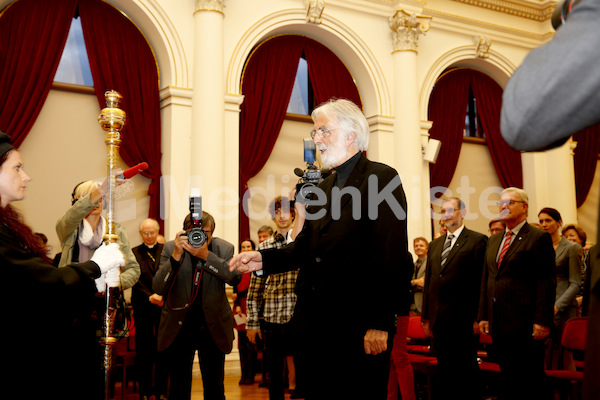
(504, 247)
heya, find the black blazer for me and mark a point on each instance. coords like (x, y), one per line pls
(214, 299)
(522, 292)
(452, 293)
(356, 260)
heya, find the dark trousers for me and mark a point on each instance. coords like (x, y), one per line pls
(180, 357)
(278, 341)
(150, 365)
(521, 360)
(339, 368)
(247, 357)
(456, 351)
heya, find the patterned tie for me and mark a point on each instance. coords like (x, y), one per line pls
(504, 247)
(446, 248)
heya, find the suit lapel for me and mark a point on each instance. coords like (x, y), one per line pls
(515, 245)
(560, 249)
(460, 241)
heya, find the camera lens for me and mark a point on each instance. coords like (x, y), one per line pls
(196, 237)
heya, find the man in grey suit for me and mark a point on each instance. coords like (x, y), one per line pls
(450, 299)
(421, 246)
(517, 298)
(196, 314)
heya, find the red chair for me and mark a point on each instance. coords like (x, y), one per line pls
(418, 341)
(573, 339)
(419, 353)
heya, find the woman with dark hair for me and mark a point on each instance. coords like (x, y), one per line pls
(41, 299)
(568, 279)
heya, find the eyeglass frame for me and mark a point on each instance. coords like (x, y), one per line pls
(322, 131)
(509, 202)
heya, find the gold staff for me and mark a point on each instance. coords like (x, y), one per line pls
(111, 120)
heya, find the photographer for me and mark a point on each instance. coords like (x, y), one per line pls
(552, 95)
(196, 314)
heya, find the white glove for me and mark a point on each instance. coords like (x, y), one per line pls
(101, 284)
(113, 277)
(108, 257)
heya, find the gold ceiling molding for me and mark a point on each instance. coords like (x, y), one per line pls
(520, 8)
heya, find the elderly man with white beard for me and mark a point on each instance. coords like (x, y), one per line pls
(353, 258)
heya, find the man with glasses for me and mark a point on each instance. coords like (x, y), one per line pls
(450, 298)
(517, 298)
(353, 258)
(196, 314)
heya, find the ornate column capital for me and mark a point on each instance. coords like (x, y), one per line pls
(406, 28)
(210, 5)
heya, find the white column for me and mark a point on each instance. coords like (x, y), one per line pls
(407, 27)
(549, 180)
(176, 112)
(208, 146)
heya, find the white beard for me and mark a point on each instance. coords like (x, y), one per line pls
(335, 153)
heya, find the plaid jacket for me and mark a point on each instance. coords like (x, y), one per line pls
(273, 297)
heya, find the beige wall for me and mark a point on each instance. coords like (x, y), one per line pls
(277, 177)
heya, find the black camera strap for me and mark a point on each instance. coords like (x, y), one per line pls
(195, 289)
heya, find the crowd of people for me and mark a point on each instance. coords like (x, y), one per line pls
(325, 298)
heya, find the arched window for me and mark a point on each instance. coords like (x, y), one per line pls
(451, 106)
(74, 66)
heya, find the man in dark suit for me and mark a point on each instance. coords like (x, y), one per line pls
(196, 314)
(353, 258)
(517, 298)
(450, 300)
(147, 307)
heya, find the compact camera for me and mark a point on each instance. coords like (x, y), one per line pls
(196, 236)
(311, 176)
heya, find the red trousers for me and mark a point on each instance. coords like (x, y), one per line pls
(401, 373)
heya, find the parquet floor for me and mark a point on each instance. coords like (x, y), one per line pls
(233, 391)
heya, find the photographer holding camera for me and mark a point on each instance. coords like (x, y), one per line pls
(196, 314)
(552, 95)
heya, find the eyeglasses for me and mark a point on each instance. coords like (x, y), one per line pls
(324, 132)
(506, 202)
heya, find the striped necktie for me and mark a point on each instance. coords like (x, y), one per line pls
(504, 247)
(446, 248)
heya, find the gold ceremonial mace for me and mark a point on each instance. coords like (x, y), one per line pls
(111, 120)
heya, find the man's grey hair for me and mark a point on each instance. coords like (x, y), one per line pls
(350, 119)
(522, 194)
(154, 222)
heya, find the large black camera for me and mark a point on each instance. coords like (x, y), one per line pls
(196, 236)
(562, 11)
(311, 176)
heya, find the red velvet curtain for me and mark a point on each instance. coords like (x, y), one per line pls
(121, 60)
(32, 37)
(267, 86)
(507, 161)
(448, 110)
(585, 160)
(328, 75)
